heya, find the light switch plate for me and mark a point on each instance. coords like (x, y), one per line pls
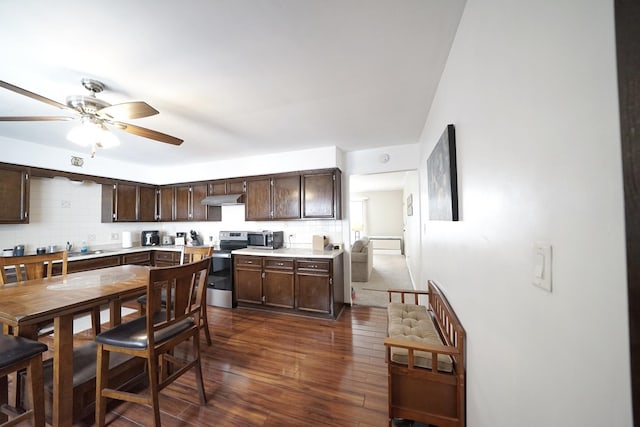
(542, 266)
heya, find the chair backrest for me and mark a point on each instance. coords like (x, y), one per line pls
(186, 283)
(195, 253)
(35, 266)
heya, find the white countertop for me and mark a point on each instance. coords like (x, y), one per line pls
(289, 253)
(73, 256)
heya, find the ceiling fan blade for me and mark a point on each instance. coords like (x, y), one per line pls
(34, 118)
(148, 133)
(32, 95)
(128, 110)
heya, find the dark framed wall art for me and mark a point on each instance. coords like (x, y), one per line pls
(442, 178)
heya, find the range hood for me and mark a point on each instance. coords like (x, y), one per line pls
(227, 199)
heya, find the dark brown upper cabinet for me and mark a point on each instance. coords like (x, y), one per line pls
(222, 187)
(165, 197)
(187, 203)
(123, 202)
(321, 195)
(148, 207)
(273, 198)
(14, 195)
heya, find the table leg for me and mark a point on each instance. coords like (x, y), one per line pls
(63, 371)
(115, 313)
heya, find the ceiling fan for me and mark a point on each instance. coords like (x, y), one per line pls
(95, 113)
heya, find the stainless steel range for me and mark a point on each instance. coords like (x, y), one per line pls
(220, 284)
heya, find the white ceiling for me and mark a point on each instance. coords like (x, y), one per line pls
(232, 78)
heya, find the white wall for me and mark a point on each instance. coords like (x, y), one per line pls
(412, 242)
(531, 89)
(384, 215)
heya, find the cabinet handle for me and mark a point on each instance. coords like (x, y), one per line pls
(280, 263)
(249, 262)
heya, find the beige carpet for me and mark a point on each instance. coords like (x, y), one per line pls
(389, 272)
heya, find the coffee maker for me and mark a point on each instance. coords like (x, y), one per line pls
(150, 238)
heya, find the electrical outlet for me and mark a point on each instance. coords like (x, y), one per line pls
(115, 236)
(292, 235)
(65, 204)
(91, 238)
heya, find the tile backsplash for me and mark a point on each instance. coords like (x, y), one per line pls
(64, 211)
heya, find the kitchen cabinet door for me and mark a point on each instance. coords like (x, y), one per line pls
(258, 200)
(278, 283)
(198, 210)
(314, 286)
(285, 200)
(247, 279)
(321, 195)
(14, 195)
(218, 187)
(147, 197)
(165, 203)
(182, 203)
(236, 186)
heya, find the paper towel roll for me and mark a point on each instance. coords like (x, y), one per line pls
(126, 239)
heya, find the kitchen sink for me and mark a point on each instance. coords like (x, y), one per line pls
(96, 252)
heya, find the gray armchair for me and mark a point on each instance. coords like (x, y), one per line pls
(361, 260)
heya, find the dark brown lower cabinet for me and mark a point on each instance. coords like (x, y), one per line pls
(278, 282)
(166, 258)
(93, 263)
(312, 286)
(248, 279)
(137, 258)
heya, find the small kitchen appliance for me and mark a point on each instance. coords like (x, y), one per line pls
(150, 238)
(181, 238)
(265, 239)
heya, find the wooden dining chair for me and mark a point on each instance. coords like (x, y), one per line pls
(155, 335)
(16, 354)
(187, 255)
(192, 254)
(30, 267)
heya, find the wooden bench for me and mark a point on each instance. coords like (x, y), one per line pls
(426, 370)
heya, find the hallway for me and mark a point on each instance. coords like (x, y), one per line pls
(389, 271)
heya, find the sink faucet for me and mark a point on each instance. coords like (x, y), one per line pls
(69, 246)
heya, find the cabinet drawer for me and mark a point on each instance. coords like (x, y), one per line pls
(167, 256)
(313, 265)
(140, 258)
(93, 263)
(247, 261)
(279, 263)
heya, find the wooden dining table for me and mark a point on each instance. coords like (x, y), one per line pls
(26, 305)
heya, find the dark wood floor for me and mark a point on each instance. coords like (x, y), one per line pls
(270, 369)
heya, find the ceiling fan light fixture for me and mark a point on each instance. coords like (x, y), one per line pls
(91, 133)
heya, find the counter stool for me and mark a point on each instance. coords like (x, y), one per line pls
(18, 353)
